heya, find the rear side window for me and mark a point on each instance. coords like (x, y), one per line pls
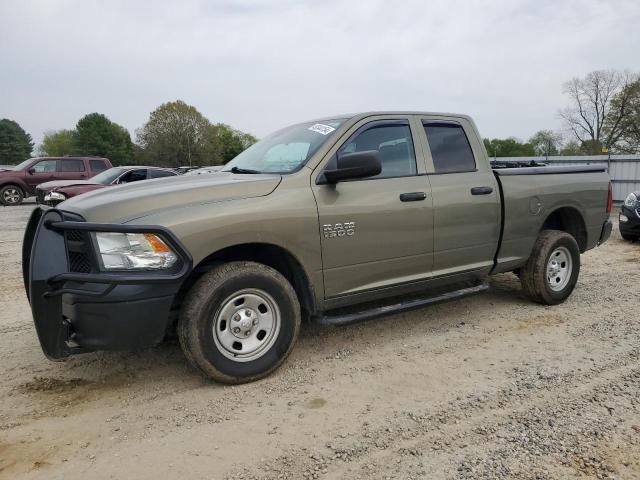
(69, 165)
(98, 165)
(450, 148)
(160, 173)
(394, 144)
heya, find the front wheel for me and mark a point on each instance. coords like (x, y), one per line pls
(551, 273)
(239, 322)
(630, 238)
(11, 195)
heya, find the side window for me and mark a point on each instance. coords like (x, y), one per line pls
(97, 166)
(134, 176)
(71, 165)
(450, 148)
(153, 173)
(393, 142)
(45, 166)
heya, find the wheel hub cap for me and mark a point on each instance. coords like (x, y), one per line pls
(246, 325)
(559, 268)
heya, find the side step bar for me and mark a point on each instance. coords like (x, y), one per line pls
(375, 312)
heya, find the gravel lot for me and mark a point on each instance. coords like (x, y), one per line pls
(490, 386)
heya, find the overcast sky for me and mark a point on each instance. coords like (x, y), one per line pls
(260, 65)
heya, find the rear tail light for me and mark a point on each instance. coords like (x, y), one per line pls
(610, 199)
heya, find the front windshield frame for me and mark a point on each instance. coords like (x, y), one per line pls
(324, 129)
(115, 170)
(23, 164)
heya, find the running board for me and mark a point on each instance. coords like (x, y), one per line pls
(349, 318)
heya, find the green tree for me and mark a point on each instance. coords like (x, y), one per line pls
(571, 148)
(15, 144)
(96, 135)
(57, 143)
(546, 142)
(233, 142)
(178, 134)
(508, 147)
(628, 100)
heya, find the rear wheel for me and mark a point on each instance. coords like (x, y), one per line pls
(11, 195)
(239, 322)
(551, 273)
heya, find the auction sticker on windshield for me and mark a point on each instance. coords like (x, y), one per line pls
(321, 128)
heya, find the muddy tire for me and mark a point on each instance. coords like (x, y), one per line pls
(551, 273)
(239, 322)
(11, 195)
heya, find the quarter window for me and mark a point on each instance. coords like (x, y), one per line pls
(394, 145)
(45, 166)
(450, 148)
(71, 166)
(97, 166)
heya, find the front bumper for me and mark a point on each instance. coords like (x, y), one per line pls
(77, 308)
(632, 225)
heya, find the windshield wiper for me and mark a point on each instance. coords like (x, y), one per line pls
(243, 170)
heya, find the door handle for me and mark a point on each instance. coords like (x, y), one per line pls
(413, 197)
(481, 190)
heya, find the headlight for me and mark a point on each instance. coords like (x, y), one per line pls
(631, 201)
(55, 196)
(134, 251)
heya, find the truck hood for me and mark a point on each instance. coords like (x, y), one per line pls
(123, 203)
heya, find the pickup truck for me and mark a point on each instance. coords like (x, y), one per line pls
(20, 181)
(335, 220)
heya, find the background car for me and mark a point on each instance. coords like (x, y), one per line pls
(52, 193)
(629, 218)
(19, 181)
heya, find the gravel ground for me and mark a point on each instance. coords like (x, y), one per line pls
(489, 386)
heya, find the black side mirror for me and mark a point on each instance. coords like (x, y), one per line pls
(353, 165)
(31, 171)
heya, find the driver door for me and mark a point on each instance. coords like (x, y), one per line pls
(376, 232)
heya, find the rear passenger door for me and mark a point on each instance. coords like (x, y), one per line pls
(466, 209)
(71, 169)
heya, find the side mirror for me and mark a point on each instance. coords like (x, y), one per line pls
(353, 165)
(31, 171)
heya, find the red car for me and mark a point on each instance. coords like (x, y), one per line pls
(52, 193)
(19, 182)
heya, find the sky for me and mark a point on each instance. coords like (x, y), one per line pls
(260, 65)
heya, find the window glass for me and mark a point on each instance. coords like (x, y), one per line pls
(153, 173)
(45, 166)
(134, 176)
(98, 165)
(450, 148)
(69, 165)
(394, 145)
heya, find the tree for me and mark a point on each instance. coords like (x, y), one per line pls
(508, 147)
(546, 142)
(571, 148)
(628, 100)
(57, 143)
(233, 142)
(178, 134)
(96, 135)
(15, 144)
(592, 118)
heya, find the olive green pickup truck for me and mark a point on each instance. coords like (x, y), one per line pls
(335, 220)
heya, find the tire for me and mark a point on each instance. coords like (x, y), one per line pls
(11, 195)
(629, 238)
(214, 321)
(552, 271)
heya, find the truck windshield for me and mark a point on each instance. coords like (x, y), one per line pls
(286, 150)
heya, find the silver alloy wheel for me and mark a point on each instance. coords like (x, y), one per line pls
(559, 268)
(246, 325)
(11, 196)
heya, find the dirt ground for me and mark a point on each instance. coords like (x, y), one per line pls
(490, 386)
